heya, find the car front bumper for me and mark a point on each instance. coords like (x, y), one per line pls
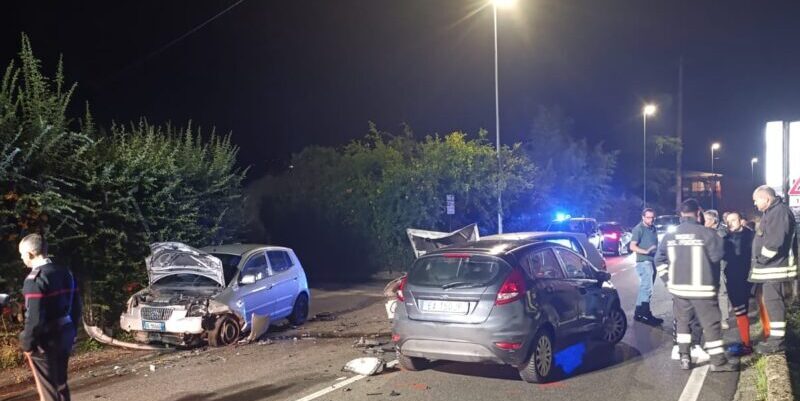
(178, 323)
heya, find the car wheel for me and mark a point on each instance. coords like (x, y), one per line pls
(300, 310)
(412, 364)
(225, 332)
(614, 326)
(540, 367)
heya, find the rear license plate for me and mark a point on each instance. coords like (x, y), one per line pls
(153, 326)
(444, 306)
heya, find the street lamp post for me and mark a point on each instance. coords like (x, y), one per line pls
(648, 110)
(495, 5)
(714, 146)
(753, 161)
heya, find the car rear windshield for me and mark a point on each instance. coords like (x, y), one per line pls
(455, 270)
(610, 227)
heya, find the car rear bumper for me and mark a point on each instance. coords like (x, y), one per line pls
(464, 342)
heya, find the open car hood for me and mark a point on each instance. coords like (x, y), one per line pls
(171, 258)
(424, 241)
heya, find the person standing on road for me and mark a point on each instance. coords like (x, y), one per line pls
(738, 251)
(690, 257)
(774, 262)
(52, 310)
(712, 222)
(644, 242)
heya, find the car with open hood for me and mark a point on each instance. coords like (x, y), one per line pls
(216, 293)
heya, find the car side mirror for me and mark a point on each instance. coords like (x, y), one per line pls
(603, 276)
(3, 300)
(247, 279)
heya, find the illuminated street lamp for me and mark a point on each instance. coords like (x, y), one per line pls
(753, 162)
(714, 146)
(495, 5)
(648, 110)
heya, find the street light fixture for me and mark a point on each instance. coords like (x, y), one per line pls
(714, 146)
(753, 162)
(647, 110)
(495, 5)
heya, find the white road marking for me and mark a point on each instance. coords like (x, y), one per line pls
(694, 384)
(341, 384)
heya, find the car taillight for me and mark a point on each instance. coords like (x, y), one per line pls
(400, 296)
(508, 346)
(512, 289)
(611, 235)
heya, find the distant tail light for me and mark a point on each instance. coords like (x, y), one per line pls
(400, 296)
(611, 235)
(512, 289)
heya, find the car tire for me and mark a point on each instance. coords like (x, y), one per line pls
(300, 310)
(226, 331)
(614, 326)
(540, 367)
(412, 364)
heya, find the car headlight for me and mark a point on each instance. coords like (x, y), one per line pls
(196, 310)
(672, 229)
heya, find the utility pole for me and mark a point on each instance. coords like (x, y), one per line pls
(679, 132)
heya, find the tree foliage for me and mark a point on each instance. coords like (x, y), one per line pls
(346, 210)
(100, 200)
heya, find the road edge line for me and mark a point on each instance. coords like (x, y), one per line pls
(695, 383)
(341, 384)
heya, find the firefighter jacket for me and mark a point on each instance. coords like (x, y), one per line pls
(51, 302)
(690, 258)
(775, 245)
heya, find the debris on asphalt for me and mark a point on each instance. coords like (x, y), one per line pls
(394, 394)
(324, 317)
(371, 394)
(152, 368)
(366, 342)
(366, 366)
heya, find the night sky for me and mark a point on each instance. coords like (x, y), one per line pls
(281, 75)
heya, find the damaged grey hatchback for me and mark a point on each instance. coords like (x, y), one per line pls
(215, 294)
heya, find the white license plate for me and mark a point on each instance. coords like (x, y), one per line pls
(153, 326)
(444, 306)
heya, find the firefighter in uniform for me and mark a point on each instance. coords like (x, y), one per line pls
(774, 262)
(690, 258)
(52, 309)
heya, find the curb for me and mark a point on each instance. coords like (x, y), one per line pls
(779, 385)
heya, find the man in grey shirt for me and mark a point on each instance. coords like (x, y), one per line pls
(644, 242)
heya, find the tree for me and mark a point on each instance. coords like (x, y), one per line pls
(575, 175)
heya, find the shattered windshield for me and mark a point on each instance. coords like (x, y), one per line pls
(184, 280)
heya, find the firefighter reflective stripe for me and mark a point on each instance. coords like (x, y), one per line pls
(777, 329)
(740, 310)
(768, 253)
(777, 325)
(697, 265)
(692, 293)
(671, 256)
(715, 351)
(683, 338)
(693, 287)
(773, 273)
(662, 269)
(777, 333)
(713, 344)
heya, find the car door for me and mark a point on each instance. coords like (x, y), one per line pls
(550, 290)
(254, 297)
(284, 280)
(590, 298)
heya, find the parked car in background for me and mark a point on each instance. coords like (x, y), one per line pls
(575, 241)
(506, 301)
(584, 225)
(665, 224)
(215, 293)
(616, 238)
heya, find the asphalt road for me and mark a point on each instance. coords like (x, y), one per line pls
(639, 368)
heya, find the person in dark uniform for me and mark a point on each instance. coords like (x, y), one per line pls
(691, 256)
(738, 250)
(774, 263)
(52, 310)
